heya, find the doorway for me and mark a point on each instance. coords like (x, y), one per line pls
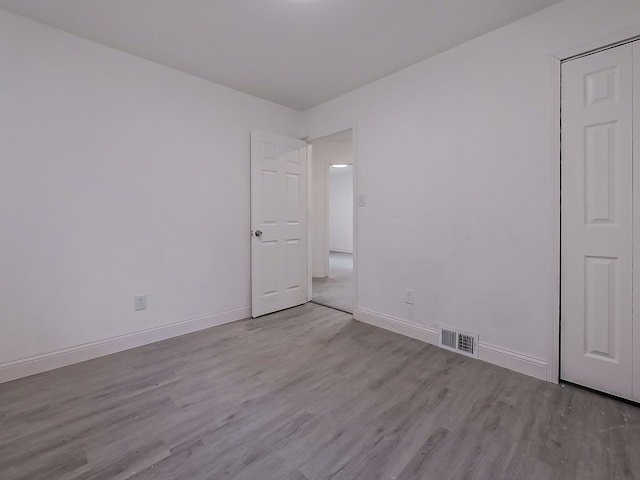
(332, 221)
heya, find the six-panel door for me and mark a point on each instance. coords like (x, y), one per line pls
(279, 223)
(597, 221)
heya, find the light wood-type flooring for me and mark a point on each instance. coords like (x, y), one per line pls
(305, 394)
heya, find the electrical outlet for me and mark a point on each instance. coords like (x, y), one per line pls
(140, 302)
(409, 296)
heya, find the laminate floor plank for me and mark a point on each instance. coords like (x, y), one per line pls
(307, 394)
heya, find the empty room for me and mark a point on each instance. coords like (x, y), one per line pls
(319, 239)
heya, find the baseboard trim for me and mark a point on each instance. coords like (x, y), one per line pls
(340, 250)
(519, 362)
(419, 332)
(61, 358)
(502, 357)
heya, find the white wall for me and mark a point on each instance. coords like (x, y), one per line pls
(341, 210)
(324, 152)
(455, 159)
(118, 177)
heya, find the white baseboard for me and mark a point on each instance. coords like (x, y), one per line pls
(520, 362)
(319, 275)
(80, 353)
(503, 357)
(419, 332)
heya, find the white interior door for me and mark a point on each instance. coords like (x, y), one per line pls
(279, 260)
(597, 221)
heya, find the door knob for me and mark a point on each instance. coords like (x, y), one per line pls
(258, 233)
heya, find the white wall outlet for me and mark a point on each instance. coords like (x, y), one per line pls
(362, 200)
(409, 296)
(140, 302)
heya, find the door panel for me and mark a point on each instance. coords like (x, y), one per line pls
(600, 187)
(600, 316)
(293, 193)
(597, 221)
(279, 212)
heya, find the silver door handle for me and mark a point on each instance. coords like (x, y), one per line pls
(258, 233)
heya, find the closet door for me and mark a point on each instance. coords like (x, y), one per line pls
(636, 220)
(597, 221)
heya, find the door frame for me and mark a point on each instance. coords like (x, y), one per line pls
(622, 37)
(354, 158)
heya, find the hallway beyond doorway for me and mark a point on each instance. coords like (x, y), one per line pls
(336, 290)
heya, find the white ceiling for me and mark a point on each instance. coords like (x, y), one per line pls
(297, 53)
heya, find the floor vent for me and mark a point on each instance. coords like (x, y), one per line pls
(460, 342)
